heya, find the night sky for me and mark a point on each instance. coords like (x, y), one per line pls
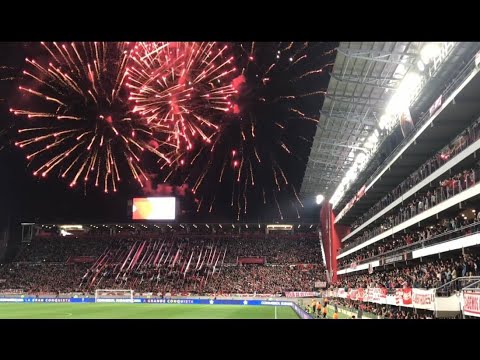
(28, 198)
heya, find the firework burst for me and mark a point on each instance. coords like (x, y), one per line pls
(230, 128)
(181, 87)
(79, 123)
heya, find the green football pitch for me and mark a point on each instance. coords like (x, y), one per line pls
(143, 311)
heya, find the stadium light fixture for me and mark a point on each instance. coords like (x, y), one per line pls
(420, 65)
(319, 199)
(360, 158)
(400, 101)
(429, 51)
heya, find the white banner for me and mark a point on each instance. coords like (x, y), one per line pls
(416, 298)
(471, 303)
(341, 293)
(423, 299)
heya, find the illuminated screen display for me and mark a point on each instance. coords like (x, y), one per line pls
(156, 208)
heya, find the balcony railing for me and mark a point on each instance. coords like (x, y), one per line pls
(437, 196)
(434, 240)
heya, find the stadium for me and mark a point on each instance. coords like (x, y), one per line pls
(188, 180)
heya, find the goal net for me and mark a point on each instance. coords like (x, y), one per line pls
(118, 295)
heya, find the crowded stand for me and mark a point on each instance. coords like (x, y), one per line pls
(380, 311)
(168, 262)
(428, 274)
(442, 230)
(422, 202)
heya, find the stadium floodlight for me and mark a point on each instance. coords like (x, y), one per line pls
(420, 65)
(397, 103)
(360, 158)
(430, 51)
(410, 82)
(319, 199)
(369, 145)
(401, 99)
(351, 174)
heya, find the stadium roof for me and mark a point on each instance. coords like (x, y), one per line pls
(361, 84)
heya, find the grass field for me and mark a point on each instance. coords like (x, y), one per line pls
(142, 311)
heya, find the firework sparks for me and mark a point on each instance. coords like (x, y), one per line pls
(85, 123)
(246, 145)
(96, 111)
(179, 86)
(302, 115)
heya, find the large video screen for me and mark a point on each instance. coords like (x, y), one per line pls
(153, 208)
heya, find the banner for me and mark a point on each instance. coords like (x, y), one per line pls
(416, 298)
(471, 303)
(293, 294)
(393, 259)
(352, 294)
(12, 291)
(251, 260)
(360, 294)
(403, 296)
(435, 106)
(406, 122)
(360, 193)
(377, 295)
(80, 259)
(423, 299)
(341, 293)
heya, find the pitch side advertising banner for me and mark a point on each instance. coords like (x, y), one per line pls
(294, 294)
(471, 303)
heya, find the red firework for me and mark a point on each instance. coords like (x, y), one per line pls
(182, 89)
(80, 125)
